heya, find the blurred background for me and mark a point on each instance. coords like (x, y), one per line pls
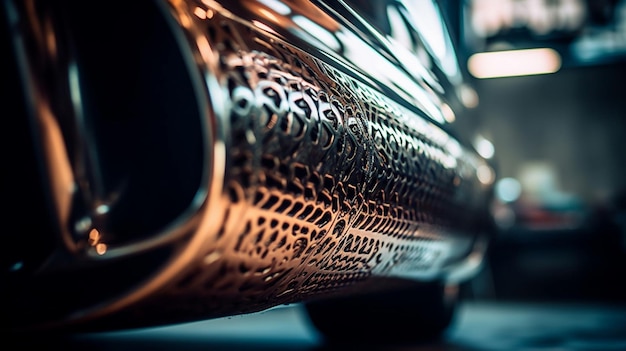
(549, 76)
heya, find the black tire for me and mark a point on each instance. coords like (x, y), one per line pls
(418, 313)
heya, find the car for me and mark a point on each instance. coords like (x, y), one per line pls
(174, 161)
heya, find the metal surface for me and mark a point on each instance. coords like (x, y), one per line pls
(319, 173)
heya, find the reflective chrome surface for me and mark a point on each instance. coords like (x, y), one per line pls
(322, 160)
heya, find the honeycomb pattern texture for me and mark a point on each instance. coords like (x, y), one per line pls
(328, 182)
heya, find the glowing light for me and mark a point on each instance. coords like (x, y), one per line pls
(83, 225)
(263, 26)
(448, 114)
(212, 257)
(51, 42)
(94, 237)
(277, 6)
(269, 15)
(485, 174)
(101, 249)
(185, 21)
(488, 17)
(508, 189)
(62, 178)
(17, 266)
(200, 13)
(102, 209)
(434, 34)
(484, 147)
(205, 49)
(514, 63)
(317, 31)
(469, 96)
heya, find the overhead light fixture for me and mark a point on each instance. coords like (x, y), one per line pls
(514, 63)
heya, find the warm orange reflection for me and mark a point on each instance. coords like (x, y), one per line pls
(185, 21)
(101, 249)
(212, 257)
(51, 41)
(102, 209)
(94, 237)
(59, 166)
(200, 13)
(485, 174)
(205, 49)
(263, 26)
(203, 14)
(94, 241)
(269, 15)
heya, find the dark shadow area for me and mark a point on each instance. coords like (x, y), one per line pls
(478, 326)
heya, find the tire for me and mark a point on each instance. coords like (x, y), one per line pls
(417, 313)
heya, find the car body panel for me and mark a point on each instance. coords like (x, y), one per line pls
(303, 163)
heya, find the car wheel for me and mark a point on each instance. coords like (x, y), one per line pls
(412, 314)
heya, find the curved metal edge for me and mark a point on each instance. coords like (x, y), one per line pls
(187, 233)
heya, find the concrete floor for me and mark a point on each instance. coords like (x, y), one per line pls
(479, 325)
